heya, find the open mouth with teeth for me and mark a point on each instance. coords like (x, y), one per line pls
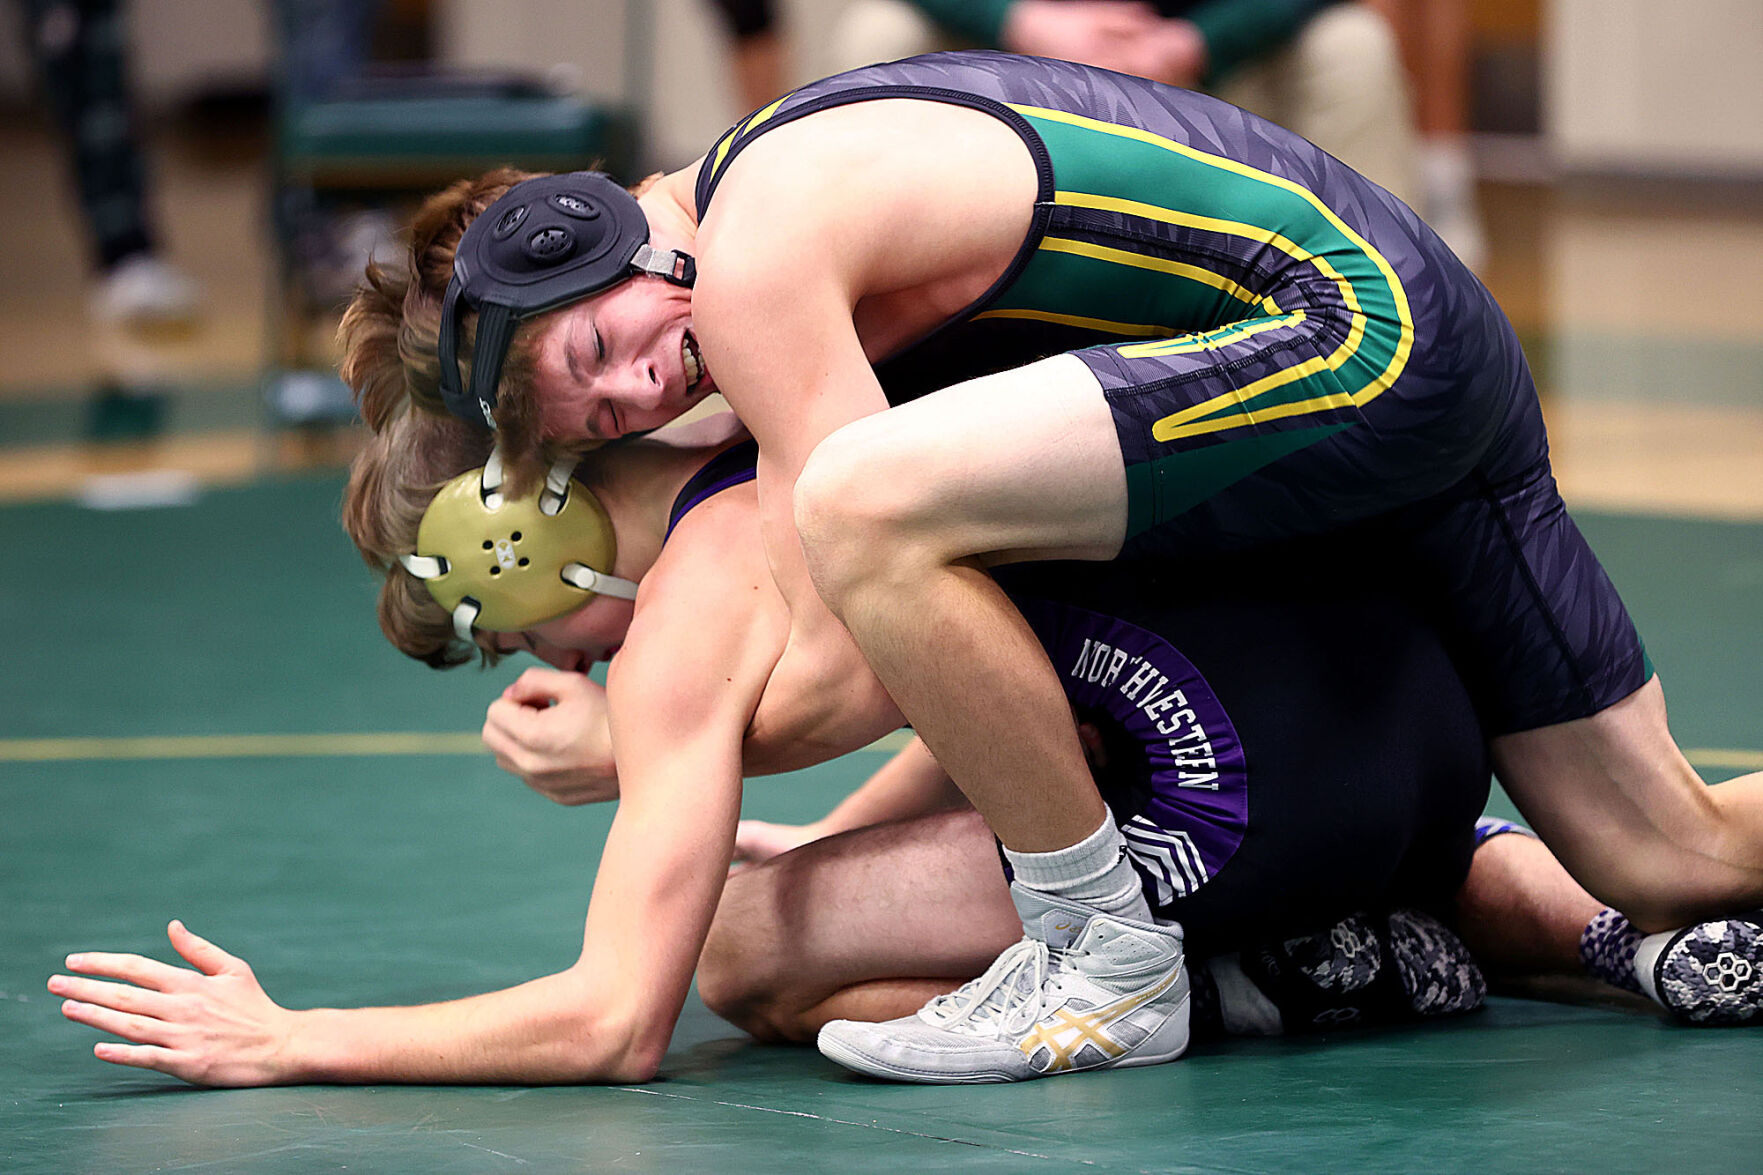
(694, 361)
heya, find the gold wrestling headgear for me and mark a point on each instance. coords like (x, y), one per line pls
(507, 564)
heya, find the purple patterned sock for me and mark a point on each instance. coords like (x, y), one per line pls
(1607, 947)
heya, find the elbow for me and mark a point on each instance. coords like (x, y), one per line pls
(642, 1047)
(611, 1047)
(602, 1055)
(823, 504)
(635, 1067)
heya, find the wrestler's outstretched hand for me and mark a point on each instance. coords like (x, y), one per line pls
(549, 728)
(210, 1026)
(758, 841)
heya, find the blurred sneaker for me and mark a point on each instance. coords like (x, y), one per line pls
(1082, 990)
(339, 247)
(1448, 199)
(307, 399)
(141, 291)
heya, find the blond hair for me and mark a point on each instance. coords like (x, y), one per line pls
(392, 481)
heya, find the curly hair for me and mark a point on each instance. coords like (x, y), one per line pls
(390, 329)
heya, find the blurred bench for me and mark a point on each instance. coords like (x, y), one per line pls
(388, 139)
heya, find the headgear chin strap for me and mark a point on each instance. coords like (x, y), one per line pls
(509, 564)
(547, 242)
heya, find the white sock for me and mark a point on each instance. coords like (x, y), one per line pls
(1646, 959)
(1094, 872)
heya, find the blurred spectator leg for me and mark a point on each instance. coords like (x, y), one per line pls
(1435, 40)
(323, 45)
(759, 53)
(761, 63)
(1340, 84)
(80, 47)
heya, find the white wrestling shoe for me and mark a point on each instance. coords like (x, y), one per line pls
(1082, 990)
(145, 292)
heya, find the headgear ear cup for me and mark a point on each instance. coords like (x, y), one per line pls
(506, 564)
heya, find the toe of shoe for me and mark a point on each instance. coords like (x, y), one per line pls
(1712, 974)
(915, 1052)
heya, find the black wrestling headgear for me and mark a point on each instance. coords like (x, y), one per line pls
(547, 242)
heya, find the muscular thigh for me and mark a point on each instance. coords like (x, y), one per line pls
(1537, 628)
(922, 898)
(1021, 464)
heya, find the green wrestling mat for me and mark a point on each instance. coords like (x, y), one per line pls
(360, 871)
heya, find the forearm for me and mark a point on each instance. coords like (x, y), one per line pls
(910, 784)
(539, 1032)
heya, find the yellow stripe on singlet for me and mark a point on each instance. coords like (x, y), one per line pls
(1105, 326)
(1161, 265)
(734, 136)
(1207, 340)
(1185, 423)
(1178, 425)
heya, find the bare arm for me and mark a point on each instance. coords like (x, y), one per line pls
(608, 1017)
(833, 241)
(820, 664)
(909, 784)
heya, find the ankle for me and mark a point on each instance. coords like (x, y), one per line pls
(1607, 948)
(1095, 872)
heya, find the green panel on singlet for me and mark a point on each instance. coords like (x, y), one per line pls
(1202, 191)
(1350, 375)
(1148, 302)
(351, 880)
(1157, 491)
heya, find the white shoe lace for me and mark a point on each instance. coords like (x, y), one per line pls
(999, 1000)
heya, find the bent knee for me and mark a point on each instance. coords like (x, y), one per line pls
(745, 973)
(735, 983)
(864, 511)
